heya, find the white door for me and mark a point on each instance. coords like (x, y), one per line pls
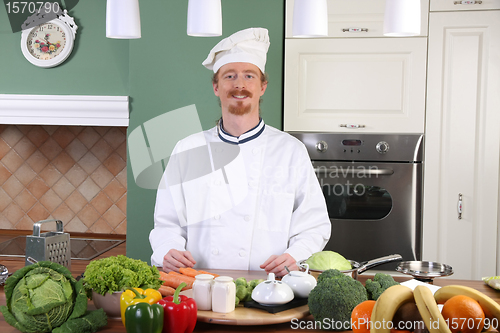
(462, 142)
(361, 85)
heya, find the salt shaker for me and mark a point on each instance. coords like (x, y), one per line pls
(223, 294)
(202, 291)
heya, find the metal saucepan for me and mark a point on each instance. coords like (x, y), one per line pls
(424, 270)
(357, 267)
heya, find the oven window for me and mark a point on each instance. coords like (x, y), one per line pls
(360, 202)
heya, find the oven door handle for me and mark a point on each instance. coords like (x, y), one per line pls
(360, 172)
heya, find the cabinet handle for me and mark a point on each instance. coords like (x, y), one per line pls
(355, 30)
(459, 206)
(352, 125)
(468, 2)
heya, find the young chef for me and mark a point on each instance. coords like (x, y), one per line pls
(262, 208)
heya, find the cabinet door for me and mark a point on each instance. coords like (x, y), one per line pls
(458, 5)
(376, 83)
(462, 142)
(355, 18)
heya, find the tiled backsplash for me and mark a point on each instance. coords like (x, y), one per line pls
(76, 174)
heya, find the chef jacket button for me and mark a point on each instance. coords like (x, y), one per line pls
(252, 183)
(242, 253)
(246, 218)
(217, 217)
(215, 252)
(217, 182)
(255, 151)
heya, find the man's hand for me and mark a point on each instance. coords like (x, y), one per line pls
(276, 264)
(175, 259)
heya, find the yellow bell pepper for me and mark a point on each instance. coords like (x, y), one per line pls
(137, 295)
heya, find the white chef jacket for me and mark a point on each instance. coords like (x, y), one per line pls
(266, 201)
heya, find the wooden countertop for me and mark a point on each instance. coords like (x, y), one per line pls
(114, 325)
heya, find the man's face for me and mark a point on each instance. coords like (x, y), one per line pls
(239, 88)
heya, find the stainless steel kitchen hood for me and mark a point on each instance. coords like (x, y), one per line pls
(77, 110)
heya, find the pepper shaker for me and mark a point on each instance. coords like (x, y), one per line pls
(223, 295)
(202, 291)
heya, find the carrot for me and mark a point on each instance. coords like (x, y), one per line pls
(166, 291)
(174, 279)
(204, 272)
(188, 271)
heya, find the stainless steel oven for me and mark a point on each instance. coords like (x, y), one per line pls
(372, 185)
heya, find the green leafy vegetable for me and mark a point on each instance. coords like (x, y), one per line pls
(328, 260)
(115, 273)
(44, 296)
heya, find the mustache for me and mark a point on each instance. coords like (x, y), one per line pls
(238, 92)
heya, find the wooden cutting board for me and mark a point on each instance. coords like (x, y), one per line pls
(250, 316)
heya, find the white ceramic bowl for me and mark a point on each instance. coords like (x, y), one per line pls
(272, 292)
(301, 283)
(110, 303)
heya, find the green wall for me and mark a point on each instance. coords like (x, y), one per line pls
(97, 65)
(166, 74)
(160, 72)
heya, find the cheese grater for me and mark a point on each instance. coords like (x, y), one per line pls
(51, 246)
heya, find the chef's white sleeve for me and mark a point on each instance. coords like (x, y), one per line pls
(167, 232)
(310, 226)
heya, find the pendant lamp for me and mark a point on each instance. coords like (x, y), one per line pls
(402, 18)
(123, 20)
(204, 18)
(310, 18)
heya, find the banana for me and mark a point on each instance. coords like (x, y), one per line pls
(490, 307)
(429, 310)
(386, 306)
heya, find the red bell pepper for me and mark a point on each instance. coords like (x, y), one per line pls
(179, 311)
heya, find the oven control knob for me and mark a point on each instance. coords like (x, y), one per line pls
(322, 146)
(382, 147)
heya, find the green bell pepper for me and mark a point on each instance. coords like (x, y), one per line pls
(144, 318)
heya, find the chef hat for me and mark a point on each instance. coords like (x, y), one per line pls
(249, 45)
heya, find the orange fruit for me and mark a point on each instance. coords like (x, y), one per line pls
(463, 315)
(361, 316)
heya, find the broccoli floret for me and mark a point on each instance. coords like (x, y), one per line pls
(379, 284)
(329, 274)
(332, 300)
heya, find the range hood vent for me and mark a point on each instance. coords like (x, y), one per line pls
(77, 110)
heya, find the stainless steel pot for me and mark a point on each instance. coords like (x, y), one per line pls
(357, 267)
(424, 270)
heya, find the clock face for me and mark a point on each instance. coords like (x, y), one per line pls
(46, 41)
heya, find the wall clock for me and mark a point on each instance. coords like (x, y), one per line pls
(49, 44)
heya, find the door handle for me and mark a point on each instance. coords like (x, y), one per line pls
(354, 172)
(460, 206)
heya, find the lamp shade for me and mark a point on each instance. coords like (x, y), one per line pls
(402, 18)
(204, 18)
(310, 18)
(123, 19)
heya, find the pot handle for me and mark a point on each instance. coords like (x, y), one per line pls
(378, 261)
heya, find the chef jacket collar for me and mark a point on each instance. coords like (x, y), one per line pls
(245, 137)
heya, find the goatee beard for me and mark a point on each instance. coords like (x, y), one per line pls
(239, 109)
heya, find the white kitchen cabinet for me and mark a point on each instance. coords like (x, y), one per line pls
(465, 5)
(463, 142)
(377, 84)
(355, 18)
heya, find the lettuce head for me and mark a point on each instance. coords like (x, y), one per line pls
(328, 260)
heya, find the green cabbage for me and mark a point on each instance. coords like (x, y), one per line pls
(328, 260)
(44, 296)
